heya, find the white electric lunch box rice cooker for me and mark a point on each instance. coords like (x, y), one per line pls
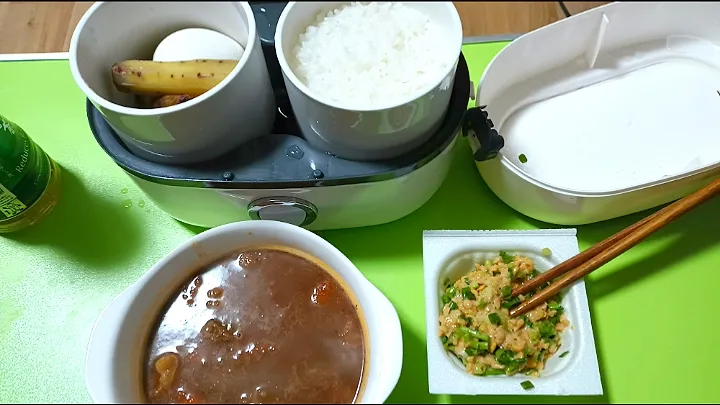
(281, 177)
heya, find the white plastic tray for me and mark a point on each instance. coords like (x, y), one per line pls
(615, 110)
(451, 254)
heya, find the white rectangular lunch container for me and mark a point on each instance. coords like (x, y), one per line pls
(603, 114)
(450, 254)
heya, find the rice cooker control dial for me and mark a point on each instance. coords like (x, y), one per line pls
(284, 209)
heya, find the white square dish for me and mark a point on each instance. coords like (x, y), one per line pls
(449, 254)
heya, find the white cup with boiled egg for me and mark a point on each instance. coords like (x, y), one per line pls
(179, 82)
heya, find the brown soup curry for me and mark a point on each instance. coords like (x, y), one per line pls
(261, 326)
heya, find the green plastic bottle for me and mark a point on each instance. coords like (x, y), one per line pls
(29, 179)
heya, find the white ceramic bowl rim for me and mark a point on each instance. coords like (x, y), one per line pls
(150, 112)
(457, 38)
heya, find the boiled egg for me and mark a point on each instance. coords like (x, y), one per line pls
(197, 43)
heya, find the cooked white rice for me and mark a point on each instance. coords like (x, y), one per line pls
(369, 55)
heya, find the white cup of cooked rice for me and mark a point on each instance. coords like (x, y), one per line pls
(369, 81)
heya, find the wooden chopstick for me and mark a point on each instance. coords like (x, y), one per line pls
(586, 262)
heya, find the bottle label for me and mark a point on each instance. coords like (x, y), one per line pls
(24, 170)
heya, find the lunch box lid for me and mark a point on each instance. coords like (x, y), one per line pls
(618, 98)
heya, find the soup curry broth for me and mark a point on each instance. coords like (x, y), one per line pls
(264, 325)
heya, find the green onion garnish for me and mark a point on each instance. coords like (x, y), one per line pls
(494, 318)
(564, 354)
(493, 371)
(546, 252)
(475, 348)
(482, 303)
(506, 291)
(445, 299)
(510, 303)
(467, 294)
(514, 367)
(506, 258)
(479, 369)
(547, 329)
(453, 305)
(527, 385)
(534, 336)
(503, 357)
(476, 334)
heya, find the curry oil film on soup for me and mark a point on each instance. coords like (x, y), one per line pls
(264, 325)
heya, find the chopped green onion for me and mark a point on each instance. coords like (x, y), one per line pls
(479, 369)
(534, 336)
(510, 273)
(506, 258)
(510, 303)
(444, 339)
(482, 303)
(474, 333)
(506, 291)
(522, 158)
(553, 305)
(503, 357)
(547, 329)
(546, 252)
(527, 385)
(514, 367)
(453, 305)
(494, 318)
(446, 299)
(451, 291)
(475, 347)
(493, 371)
(466, 280)
(564, 354)
(465, 319)
(467, 294)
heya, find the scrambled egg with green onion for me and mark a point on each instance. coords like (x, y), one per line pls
(475, 322)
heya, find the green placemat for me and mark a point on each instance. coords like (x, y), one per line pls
(653, 308)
